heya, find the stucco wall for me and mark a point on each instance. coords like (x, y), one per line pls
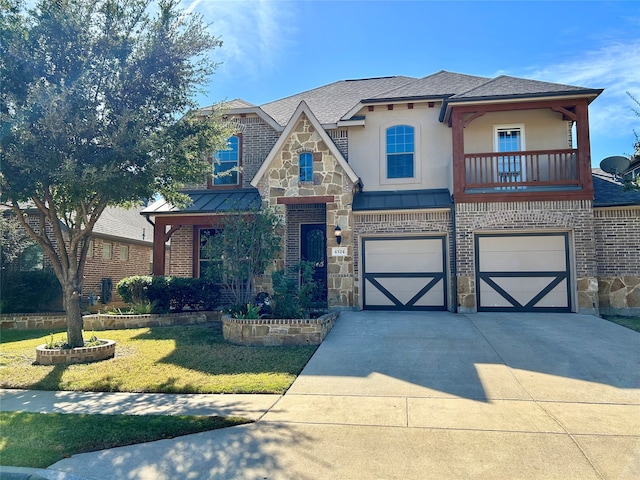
(367, 148)
(543, 130)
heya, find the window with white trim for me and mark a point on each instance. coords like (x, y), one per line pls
(400, 149)
(509, 138)
(226, 163)
(107, 251)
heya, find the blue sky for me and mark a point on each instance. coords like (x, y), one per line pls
(276, 48)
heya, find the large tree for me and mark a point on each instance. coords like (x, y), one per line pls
(94, 102)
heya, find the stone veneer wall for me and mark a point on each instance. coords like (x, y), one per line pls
(617, 236)
(329, 180)
(397, 224)
(278, 332)
(575, 216)
(43, 321)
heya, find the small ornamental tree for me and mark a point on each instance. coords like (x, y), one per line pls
(244, 245)
(94, 102)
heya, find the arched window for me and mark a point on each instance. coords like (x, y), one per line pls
(226, 163)
(400, 151)
(306, 167)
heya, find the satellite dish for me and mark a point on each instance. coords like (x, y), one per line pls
(615, 165)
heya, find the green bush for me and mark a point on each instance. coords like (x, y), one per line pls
(293, 297)
(27, 292)
(166, 294)
(134, 289)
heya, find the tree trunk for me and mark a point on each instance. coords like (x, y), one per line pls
(74, 316)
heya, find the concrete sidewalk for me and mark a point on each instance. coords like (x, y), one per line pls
(252, 407)
(428, 395)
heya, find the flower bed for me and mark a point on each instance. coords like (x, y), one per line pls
(278, 332)
(56, 356)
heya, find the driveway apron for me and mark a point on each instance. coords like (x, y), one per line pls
(429, 395)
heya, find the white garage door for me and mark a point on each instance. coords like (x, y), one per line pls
(523, 272)
(404, 273)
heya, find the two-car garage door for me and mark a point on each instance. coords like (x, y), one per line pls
(404, 273)
(524, 272)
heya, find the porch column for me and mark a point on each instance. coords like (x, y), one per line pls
(457, 135)
(584, 145)
(158, 247)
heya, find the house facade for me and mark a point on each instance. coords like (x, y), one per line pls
(120, 246)
(450, 192)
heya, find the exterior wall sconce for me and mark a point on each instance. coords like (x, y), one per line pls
(338, 233)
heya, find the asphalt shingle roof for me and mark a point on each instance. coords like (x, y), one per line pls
(610, 193)
(504, 86)
(330, 102)
(441, 84)
(124, 223)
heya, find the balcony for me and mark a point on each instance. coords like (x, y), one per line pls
(525, 175)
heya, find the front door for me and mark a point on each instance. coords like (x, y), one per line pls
(313, 248)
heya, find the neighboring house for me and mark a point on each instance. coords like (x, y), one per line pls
(120, 246)
(451, 192)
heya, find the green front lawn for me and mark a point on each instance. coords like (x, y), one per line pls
(39, 440)
(187, 359)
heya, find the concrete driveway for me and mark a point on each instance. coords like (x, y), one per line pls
(429, 395)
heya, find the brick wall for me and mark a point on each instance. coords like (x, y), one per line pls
(575, 216)
(617, 237)
(97, 267)
(398, 223)
(258, 139)
(115, 268)
(181, 256)
(297, 215)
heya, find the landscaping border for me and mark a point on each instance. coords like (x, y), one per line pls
(103, 321)
(278, 332)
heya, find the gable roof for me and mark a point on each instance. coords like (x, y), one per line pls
(303, 109)
(608, 192)
(513, 87)
(122, 223)
(439, 85)
(330, 102)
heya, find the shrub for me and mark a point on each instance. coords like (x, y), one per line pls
(293, 297)
(134, 289)
(27, 292)
(164, 294)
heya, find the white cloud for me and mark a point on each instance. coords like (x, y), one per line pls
(255, 33)
(613, 67)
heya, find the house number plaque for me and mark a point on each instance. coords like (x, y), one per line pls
(339, 251)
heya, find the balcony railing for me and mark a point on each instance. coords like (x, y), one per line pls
(531, 170)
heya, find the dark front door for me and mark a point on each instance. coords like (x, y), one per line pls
(313, 248)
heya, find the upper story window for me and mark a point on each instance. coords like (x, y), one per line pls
(306, 167)
(226, 163)
(509, 138)
(400, 140)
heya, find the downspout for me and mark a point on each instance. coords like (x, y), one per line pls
(146, 215)
(454, 256)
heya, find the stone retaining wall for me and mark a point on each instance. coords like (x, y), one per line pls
(278, 332)
(45, 356)
(104, 321)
